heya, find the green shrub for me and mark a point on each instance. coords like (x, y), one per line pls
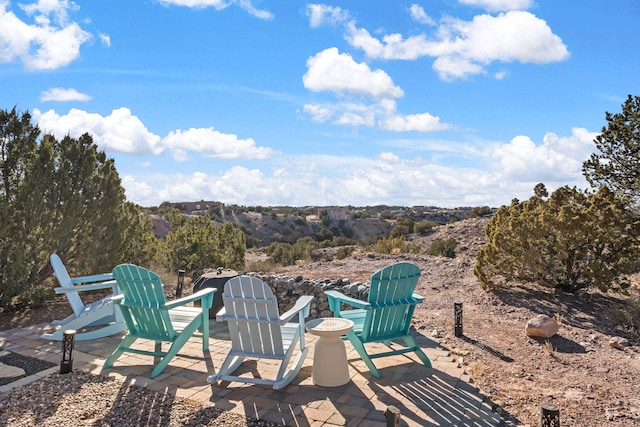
(442, 247)
(423, 227)
(571, 240)
(627, 318)
(396, 245)
(344, 251)
(287, 254)
(479, 211)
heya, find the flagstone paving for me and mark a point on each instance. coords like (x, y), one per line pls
(438, 396)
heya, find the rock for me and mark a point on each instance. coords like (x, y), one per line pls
(435, 333)
(8, 371)
(619, 343)
(542, 326)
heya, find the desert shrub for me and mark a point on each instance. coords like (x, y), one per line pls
(35, 297)
(196, 243)
(443, 247)
(324, 234)
(423, 227)
(63, 196)
(571, 240)
(344, 251)
(479, 211)
(396, 245)
(288, 254)
(627, 318)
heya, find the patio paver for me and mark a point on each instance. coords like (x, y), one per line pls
(438, 396)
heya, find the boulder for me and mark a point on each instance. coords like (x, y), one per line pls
(542, 326)
(619, 343)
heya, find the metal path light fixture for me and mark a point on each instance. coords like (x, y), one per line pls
(457, 319)
(180, 283)
(68, 341)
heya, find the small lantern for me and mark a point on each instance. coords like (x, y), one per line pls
(68, 340)
(550, 415)
(180, 283)
(457, 319)
(392, 414)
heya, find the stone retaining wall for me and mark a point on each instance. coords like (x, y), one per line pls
(289, 289)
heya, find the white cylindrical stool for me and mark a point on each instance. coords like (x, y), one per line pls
(330, 367)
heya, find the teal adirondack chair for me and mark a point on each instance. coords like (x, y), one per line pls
(149, 316)
(258, 331)
(387, 314)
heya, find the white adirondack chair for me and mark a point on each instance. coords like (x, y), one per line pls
(100, 318)
(258, 331)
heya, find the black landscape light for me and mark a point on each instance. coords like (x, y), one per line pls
(68, 341)
(549, 415)
(180, 283)
(457, 319)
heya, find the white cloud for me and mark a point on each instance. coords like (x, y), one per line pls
(382, 114)
(63, 95)
(423, 122)
(419, 15)
(462, 48)
(213, 143)
(514, 168)
(321, 14)
(247, 5)
(123, 132)
(51, 42)
(120, 131)
(392, 46)
(557, 159)
(105, 39)
(499, 5)
(332, 71)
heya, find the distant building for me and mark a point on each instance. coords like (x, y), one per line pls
(337, 213)
(201, 206)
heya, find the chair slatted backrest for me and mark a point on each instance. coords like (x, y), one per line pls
(144, 301)
(251, 312)
(64, 279)
(390, 296)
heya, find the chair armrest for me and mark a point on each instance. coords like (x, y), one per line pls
(93, 278)
(302, 303)
(418, 298)
(112, 284)
(220, 315)
(117, 299)
(206, 295)
(339, 297)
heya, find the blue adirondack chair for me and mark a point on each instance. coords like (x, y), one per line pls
(387, 314)
(149, 316)
(258, 331)
(92, 320)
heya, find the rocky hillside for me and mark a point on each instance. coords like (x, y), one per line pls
(262, 229)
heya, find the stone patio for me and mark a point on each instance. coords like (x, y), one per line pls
(438, 396)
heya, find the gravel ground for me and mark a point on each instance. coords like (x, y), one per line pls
(29, 364)
(82, 399)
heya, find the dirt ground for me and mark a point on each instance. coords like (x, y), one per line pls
(593, 383)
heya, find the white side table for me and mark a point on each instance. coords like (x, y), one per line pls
(330, 367)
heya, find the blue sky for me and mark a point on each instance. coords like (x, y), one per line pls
(434, 102)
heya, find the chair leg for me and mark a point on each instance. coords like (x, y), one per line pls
(357, 344)
(229, 365)
(411, 343)
(175, 347)
(126, 342)
(291, 374)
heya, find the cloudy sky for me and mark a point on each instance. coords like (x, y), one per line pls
(263, 102)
